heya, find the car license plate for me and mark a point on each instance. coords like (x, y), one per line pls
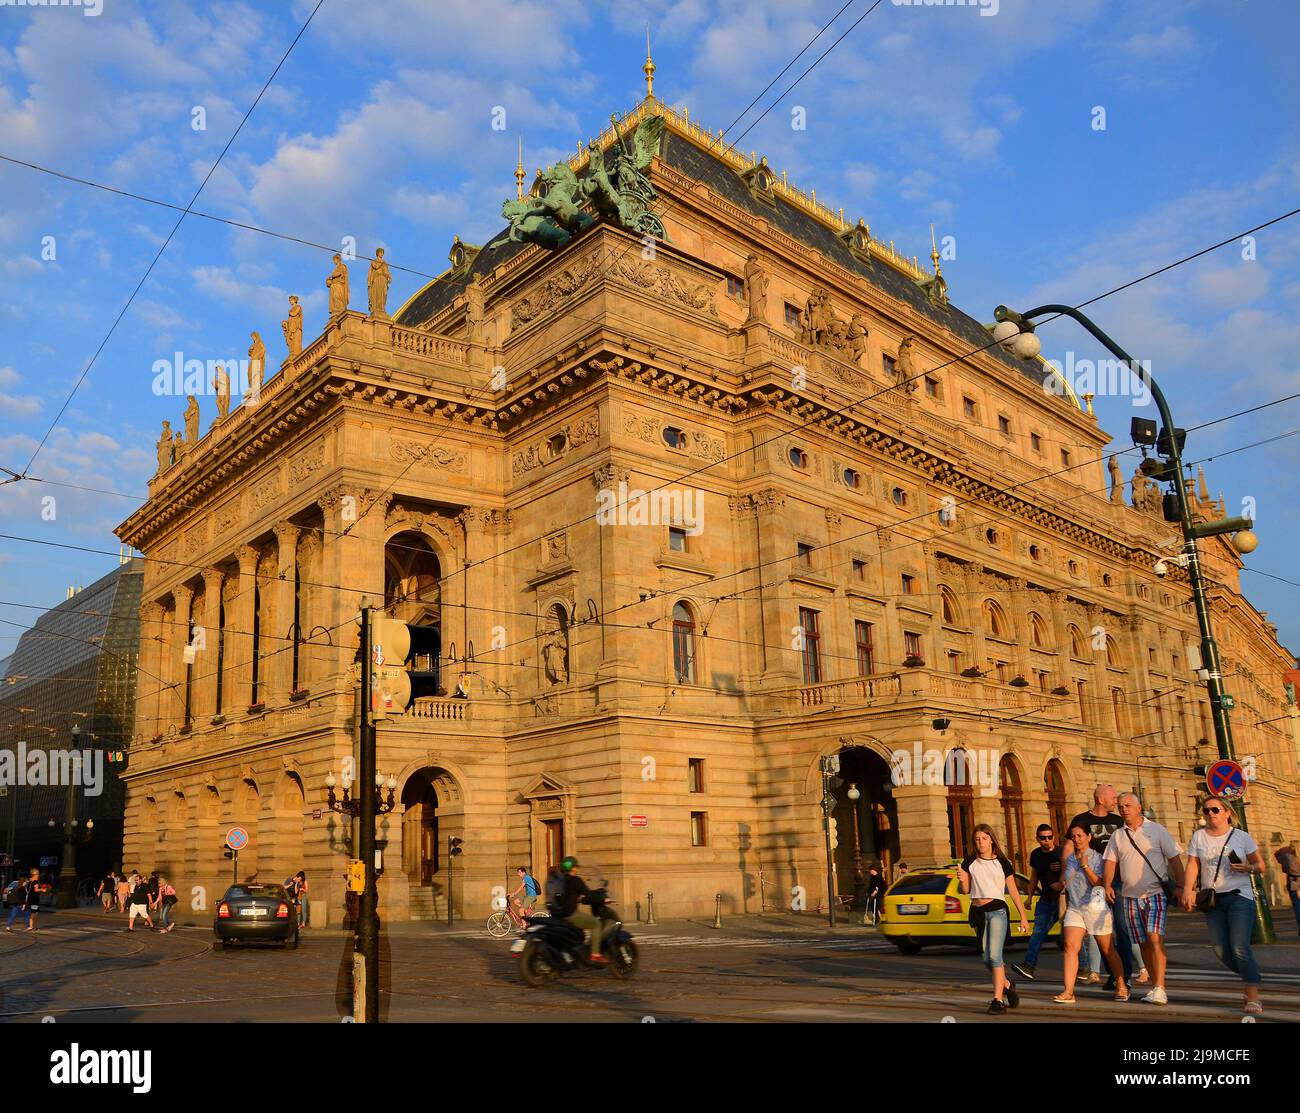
(252, 912)
(516, 946)
(913, 909)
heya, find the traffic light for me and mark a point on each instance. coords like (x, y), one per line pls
(454, 846)
(226, 852)
(390, 686)
(835, 835)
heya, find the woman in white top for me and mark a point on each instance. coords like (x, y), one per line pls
(1087, 913)
(1223, 858)
(987, 875)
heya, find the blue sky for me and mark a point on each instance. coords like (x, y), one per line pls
(380, 127)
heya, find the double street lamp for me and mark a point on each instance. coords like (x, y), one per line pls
(1015, 332)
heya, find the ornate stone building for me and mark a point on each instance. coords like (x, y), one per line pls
(671, 520)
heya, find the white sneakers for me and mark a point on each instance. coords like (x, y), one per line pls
(1156, 997)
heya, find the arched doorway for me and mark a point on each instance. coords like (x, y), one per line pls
(959, 776)
(867, 828)
(413, 595)
(290, 812)
(420, 844)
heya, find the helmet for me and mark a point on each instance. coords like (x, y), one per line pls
(568, 864)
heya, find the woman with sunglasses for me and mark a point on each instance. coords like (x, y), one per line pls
(1223, 858)
(987, 875)
(1087, 913)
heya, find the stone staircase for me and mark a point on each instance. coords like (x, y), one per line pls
(427, 903)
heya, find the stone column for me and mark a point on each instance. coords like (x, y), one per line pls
(352, 568)
(151, 680)
(174, 707)
(207, 661)
(239, 640)
(281, 672)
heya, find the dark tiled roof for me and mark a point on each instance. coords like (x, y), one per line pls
(687, 157)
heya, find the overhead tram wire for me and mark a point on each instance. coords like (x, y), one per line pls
(530, 638)
(946, 533)
(170, 235)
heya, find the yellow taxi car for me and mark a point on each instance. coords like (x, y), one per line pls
(924, 907)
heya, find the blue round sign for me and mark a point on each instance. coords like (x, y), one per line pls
(236, 838)
(1225, 778)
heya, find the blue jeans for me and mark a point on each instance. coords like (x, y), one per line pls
(302, 911)
(14, 911)
(1044, 918)
(1123, 943)
(996, 925)
(1295, 907)
(1230, 924)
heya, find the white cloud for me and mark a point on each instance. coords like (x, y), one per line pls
(1172, 40)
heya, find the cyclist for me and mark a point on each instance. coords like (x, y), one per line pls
(564, 893)
(529, 887)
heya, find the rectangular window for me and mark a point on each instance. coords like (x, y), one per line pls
(1117, 704)
(1042, 679)
(792, 316)
(888, 363)
(805, 553)
(866, 651)
(911, 644)
(735, 286)
(677, 539)
(812, 655)
(1065, 458)
(695, 774)
(1000, 668)
(1081, 688)
(859, 569)
(909, 584)
(1004, 425)
(1036, 443)
(968, 408)
(954, 661)
(931, 387)
(1151, 653)
(699, 829)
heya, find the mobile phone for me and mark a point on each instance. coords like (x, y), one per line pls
(1234, 858)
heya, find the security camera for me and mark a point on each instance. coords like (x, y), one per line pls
(1161, 568)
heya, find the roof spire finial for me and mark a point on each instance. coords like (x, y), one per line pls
(934, 253)
(649, 68)
(519, 172)
(1200, 484)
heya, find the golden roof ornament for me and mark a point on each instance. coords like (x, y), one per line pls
(648, 69)
(519, 172)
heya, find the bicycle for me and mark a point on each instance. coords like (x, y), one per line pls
(502, 922)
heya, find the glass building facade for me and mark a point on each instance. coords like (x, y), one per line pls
(75, 668)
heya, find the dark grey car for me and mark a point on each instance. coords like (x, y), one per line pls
(251, 913)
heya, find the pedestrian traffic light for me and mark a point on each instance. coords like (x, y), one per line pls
(454, 846)
(357, 876)
(835, 835)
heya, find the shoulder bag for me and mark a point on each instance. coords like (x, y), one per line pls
(1207, 899)
(1166, 885)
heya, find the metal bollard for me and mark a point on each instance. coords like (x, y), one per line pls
(649, 907)
(717, 910)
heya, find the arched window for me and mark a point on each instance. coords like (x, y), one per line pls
(1037, 630)
(995, 619)
(1112, 652)
(959, 774)
(683, 644)
(1054, 782)
(1078, 646)
(1013, 814)
(951, 610)
(413, 594)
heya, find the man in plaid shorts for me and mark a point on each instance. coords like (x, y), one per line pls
(1145, 856)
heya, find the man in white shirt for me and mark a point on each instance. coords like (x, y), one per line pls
(1146, 856)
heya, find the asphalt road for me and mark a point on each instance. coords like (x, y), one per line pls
(86, 967)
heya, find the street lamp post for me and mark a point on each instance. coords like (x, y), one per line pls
(1015, 330)
(67, 897)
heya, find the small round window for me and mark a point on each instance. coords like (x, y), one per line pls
(899, 496)
(557, 444)
(1035, 553)
(798, 457)
(1074, 567)
(852, 479)
(991, 536)
(1107, 579)
(674, 437)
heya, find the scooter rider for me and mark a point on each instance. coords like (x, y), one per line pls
(564, 895)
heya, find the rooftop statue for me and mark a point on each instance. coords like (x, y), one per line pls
(557, 214)
(377, 285)
(292, 328)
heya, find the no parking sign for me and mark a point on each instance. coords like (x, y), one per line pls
(1227, 779)
(237, 838)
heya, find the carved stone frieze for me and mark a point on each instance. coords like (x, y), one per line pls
(609, 476)
(265, 491)
(662, 280)
(306, 463)
(433, 456)
(555, 290)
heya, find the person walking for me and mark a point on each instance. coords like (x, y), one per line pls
(139, 903)
(987, 876)
(124, 884)
(1087, 915)
(1289, 860)
(1147, 860)
(22, 900)
(107, 890)
(1045, 876)
(165, 900)
(300, 885)
(875, 890)
(1101, 821)
(1222, 858)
